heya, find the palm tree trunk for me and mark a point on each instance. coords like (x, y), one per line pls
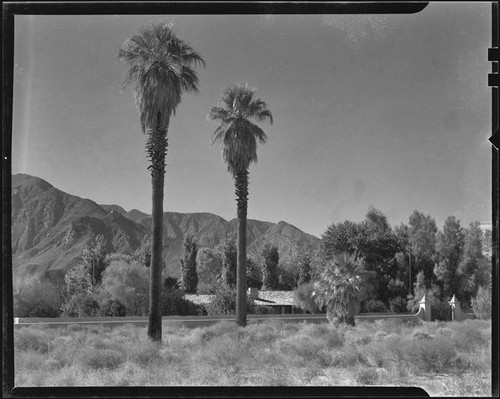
(241, 183)
(156, 148)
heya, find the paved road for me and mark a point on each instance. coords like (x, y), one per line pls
(186, 321)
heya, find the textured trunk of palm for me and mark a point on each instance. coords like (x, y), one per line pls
(241, 183)
(156, 149)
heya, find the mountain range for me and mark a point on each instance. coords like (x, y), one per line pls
(50, 228)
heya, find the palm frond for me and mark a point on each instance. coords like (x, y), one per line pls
(238, 135)
(159, 69)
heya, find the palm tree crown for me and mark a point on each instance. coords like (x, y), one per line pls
(342, 286)
(160, 70)
(238, 135)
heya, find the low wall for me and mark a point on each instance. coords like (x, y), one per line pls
(377, 316)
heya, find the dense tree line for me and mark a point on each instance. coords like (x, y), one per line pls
(405, 262)
(398, 264)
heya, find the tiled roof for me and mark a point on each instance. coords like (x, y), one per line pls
(266, 298)
(275, 298)
(199, 299)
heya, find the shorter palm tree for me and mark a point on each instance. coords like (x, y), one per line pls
(239, 136)
(342, 286)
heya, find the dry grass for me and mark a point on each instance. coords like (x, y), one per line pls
(446, 359)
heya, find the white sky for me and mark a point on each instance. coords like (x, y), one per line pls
(392, 111)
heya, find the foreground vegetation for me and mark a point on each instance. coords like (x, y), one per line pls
(444, 358)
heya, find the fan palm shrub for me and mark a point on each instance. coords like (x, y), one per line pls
(341, 288)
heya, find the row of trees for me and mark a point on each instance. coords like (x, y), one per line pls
(399, 265)
(204, 269)
(100, 284)
(366, 266)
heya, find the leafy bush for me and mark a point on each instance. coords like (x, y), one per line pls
(374, 305)
(102, 359)
(128, 282)
(112, 307)
(481, 304)
(81, 305)
(304, 299)
(36, 297)
(173, 302)
(398, 305)
(209, 263)
(224, 302)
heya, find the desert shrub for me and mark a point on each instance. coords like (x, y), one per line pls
(329, 335)
(143, 353)
(31, 339)
(304, 299)
(304, 349)
(102, 342)
(359, 341)
(102, 359)
(380, 334)
(391, 325)
(373, 305)
(80, 305)
(466, 336)
(432, 355)
(398, 305)
(444, 332)
(224, 302)
(481, 304)
(36, 297)
(413, 322)
(367, 376)
(74, 328)
(203, 335)
(346, 357)
(376, 353)
(420, 334)
(173, 302)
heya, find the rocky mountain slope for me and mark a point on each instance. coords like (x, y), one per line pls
(50, 228)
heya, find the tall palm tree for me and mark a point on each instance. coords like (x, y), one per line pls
(160, 71)
(239, 137)
(341, 288)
